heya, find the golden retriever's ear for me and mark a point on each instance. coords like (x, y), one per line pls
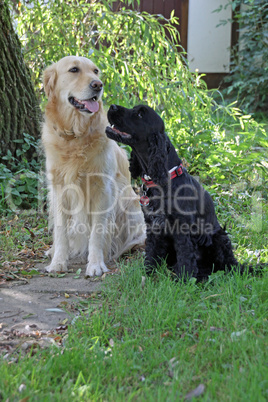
(49, 80)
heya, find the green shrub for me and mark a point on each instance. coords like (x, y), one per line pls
(249, 69)
(20, 177)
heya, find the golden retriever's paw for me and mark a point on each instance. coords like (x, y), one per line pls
(96, 269)
(50, 252)
(57, 267)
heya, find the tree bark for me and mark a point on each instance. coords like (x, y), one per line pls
(19, 109)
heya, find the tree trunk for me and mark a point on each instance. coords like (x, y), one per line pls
(19, 110)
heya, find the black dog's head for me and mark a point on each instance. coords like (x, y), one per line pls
(133, 126)
(143, 130)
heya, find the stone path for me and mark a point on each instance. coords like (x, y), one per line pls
(42, 305)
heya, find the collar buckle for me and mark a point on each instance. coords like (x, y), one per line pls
(176, 171)
(179, 170)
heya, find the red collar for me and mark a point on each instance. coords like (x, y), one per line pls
(174, 172)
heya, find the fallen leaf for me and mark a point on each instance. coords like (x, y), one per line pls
(167, 333)
(77, 274)
(192, 349)
(30, 231)
(173, 362)
(238, 333)
(22, 387)
(17, 262)
(28, 315)
(64, 322)
(195, 392)
(172, 365)
(216, 329)
(217, 294)
(143, 278)
(61, 328)
(32, 272)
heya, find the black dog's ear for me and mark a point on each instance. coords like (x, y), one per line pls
(134, 166)
(158, 158)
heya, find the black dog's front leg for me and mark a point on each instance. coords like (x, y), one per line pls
(186, 265)
(155, 250)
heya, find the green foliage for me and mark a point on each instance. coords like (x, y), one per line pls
(249, 69)
(140, 64)
(19, 177)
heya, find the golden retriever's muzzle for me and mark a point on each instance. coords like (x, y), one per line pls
(91, 104)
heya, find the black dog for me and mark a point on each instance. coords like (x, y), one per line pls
(182, 227)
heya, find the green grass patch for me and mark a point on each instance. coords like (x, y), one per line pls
(155, 341)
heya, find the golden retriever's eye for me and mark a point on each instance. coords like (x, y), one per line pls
(74, 70)
(96, 71)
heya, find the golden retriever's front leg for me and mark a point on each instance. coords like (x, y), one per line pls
(60, 245)
(102, 224)
(99, 245)
(60, 248)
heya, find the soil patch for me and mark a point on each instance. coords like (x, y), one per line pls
(40, 308)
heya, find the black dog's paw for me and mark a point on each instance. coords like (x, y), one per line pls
(158, 223)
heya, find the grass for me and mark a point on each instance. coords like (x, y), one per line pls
(155, 342)
(158, 340)
(24, 238)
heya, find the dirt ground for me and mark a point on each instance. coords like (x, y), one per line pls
(40, 309)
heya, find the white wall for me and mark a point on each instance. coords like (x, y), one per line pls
(208, 45)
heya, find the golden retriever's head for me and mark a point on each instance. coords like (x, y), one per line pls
(73, 82)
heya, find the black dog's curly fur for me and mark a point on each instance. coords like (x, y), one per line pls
(182, 227)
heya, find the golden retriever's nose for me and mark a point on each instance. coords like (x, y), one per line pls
(96, 85)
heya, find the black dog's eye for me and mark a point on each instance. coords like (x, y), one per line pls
(74, 70)
(96, 71)
(140, 115)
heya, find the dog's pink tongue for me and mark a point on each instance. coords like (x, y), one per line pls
(92, 106)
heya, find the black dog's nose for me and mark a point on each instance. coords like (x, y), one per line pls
(114, 108)
(96, 85)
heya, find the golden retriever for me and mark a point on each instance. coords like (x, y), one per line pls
(93, 208)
